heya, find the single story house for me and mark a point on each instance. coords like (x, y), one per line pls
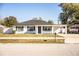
(74, 26)
(36, 26)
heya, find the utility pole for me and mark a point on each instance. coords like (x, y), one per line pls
(58, 21)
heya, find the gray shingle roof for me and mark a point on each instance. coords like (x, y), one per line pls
(34, 22)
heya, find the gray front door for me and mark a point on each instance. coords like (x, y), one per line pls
(39, 29)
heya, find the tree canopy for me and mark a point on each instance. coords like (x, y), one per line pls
(1, 21)
(10, 21)
(70, 11)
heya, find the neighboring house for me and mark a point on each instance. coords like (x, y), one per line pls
(8, 31)
(36, 26)
(74, 26)
(5, 30)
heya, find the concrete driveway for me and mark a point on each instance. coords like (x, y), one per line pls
(71, 38)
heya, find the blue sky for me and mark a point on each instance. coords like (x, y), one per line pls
(28, 11)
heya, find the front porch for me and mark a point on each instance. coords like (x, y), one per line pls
(41, 29)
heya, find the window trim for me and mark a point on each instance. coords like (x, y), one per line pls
(47, 28)
(19, 28)
(30, 28)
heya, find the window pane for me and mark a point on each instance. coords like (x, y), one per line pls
(47, 28)
(19, 28)
(31, 28)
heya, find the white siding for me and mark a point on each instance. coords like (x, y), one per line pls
(36, 29)
(14, 27)
(22, 32)
(47, 32)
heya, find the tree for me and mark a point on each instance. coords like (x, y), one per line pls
(1, 30)
(1, 22)
(63, 18)
(50, 21)
(10, 21)
(69, 11)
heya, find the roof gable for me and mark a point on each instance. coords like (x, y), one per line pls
(34, 22)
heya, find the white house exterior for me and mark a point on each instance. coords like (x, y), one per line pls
(38, 27)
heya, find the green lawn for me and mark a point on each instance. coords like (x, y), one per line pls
(28, 35)
(32, 41)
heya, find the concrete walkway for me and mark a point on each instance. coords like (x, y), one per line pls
(71, 38)
(31, 38)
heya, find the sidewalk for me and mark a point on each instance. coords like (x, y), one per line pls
(31, 37)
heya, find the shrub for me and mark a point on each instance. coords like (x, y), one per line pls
(1, 30)
(14, 31)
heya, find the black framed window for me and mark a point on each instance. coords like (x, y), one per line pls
(19, 28)
(31, 28)
(47, 28)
